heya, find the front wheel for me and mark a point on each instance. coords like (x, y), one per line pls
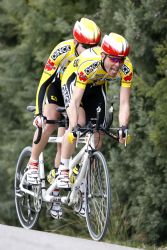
(27, 207)
(98, 196)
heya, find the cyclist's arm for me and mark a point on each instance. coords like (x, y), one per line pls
(124, 108)
(40, 94)
(52, 64)
(46, 78)
(125, 91)
(73, 108)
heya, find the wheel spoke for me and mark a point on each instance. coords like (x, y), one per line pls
(98, 197)
(25, 205)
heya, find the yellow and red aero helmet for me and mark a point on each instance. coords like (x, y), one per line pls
(115, 45)
(86, 31)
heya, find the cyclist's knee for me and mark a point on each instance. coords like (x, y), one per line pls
(49, 129)
(81, 122)
(50, 111)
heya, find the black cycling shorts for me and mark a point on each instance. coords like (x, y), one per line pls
(54, 94)
(93, 97)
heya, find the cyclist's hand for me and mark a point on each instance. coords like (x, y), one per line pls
(123, 132)
(39, 121)
(73, 134)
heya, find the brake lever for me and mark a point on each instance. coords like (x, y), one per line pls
(39, 135)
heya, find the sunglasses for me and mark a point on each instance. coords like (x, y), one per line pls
(116, 59)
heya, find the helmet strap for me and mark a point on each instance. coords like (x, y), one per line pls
(102, 62)
(76, 46)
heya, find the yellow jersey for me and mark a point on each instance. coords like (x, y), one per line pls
(55, 66)
(88, 69)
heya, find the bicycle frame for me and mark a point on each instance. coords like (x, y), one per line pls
(47, 196)
(89, 193)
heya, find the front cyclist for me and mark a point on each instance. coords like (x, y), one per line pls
(84, 87)
(86, 35)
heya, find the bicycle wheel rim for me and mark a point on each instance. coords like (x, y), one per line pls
(24, 203)
(98, 197)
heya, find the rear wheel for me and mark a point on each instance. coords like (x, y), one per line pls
(27, 206)
(98, 196)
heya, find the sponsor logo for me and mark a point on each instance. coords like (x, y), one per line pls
(49, 65)
(125, 69)
(54, 98)
(93, 66)
(82, 76)
(128, 78)
(66, 95)
(61, 51)
(76, 63)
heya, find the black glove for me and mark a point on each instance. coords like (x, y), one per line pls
(123, 131)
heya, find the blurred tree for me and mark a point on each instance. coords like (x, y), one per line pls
(138, 173)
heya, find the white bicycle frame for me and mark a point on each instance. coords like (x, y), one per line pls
(88, 140)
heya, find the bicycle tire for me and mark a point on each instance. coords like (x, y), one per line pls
(98, 196)
(26, 213)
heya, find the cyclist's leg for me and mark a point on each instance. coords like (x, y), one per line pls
(98, 95)
(56, 210)
(54, 171)
(54, 99)
(54, 96)
(66, 153)
(60, 133)
(68, 148)
(50, 112)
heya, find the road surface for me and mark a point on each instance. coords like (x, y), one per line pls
(15, 238)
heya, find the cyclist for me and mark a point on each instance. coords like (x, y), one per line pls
(84, 87)
(86, 35)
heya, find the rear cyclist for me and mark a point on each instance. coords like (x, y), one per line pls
(86, 35)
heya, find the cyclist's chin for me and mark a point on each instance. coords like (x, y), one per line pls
(112, 72)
